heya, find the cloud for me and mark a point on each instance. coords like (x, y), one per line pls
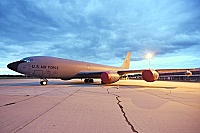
(98, 31)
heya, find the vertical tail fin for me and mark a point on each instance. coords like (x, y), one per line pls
(126, 63)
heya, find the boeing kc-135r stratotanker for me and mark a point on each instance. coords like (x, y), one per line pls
(50, 67)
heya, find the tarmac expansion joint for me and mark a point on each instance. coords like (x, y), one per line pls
(47, 111)
(123, 112)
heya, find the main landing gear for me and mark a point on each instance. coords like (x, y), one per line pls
(88, 80)
(43, 81)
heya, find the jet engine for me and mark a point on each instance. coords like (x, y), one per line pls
(188, 73)
(109, 77)
(150, 75)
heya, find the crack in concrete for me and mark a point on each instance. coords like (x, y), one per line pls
(123, 112)
(9, 104)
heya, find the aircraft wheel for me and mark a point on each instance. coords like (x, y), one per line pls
(91, 80)
(43, 82)
(86, 80)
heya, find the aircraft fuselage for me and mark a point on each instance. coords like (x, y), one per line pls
(51, 67)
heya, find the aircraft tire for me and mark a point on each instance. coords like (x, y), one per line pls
(91, 81)
(86, 80)
(43, 82)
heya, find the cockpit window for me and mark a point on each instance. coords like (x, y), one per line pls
(27, 60)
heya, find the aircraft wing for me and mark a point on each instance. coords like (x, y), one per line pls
(97, 74)
(173, 70)
(122, 72)
(183, 75)
(89, 74)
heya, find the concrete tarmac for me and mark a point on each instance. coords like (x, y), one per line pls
(123, 107)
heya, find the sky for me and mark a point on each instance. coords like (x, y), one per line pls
(102, 31)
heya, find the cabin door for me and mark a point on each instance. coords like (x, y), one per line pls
(38, 73)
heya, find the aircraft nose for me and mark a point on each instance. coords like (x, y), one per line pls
(14, 65)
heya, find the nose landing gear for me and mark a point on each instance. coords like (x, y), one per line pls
(43, 82)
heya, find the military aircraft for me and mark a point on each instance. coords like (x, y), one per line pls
(45, 67)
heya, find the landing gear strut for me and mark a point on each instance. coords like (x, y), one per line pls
(102, 82)
(88, 80)
(43, 81)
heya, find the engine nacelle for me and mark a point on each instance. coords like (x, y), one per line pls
(109, 77)
(188, 73)
(150, 75)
